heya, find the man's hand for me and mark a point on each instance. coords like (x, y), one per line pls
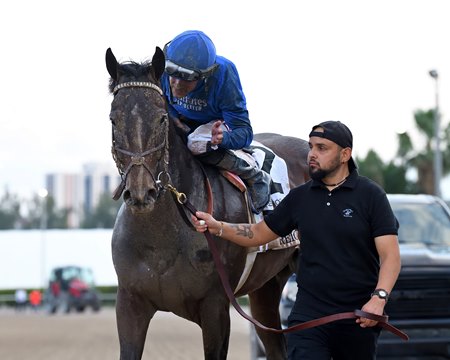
(204, 221)
(374, 306)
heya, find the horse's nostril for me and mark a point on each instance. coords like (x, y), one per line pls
(126, 195)
(139, 198)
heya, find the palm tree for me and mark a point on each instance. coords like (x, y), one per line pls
(422, 159)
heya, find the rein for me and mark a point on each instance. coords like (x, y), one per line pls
(382, 319)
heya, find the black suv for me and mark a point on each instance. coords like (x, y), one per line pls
(71, 287)
(420, 301)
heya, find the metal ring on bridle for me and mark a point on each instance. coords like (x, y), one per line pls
(163, 181)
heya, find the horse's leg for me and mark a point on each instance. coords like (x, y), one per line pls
(133, 316)
(214, 319)
(264, 304)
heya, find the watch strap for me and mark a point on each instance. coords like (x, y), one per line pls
(381, 293)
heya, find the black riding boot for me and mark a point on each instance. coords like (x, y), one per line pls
(257, 180)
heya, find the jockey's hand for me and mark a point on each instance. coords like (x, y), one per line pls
(204, 221)
(374, 306)
(217, 133)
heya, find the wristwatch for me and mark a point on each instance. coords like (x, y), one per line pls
(381, 293)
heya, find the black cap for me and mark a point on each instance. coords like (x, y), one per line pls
(338, 133)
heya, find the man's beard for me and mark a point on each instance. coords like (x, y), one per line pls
(319, 174)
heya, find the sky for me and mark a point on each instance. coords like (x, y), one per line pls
(365, 63)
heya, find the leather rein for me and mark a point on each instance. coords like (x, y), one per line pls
(382, 319)
(138, 159)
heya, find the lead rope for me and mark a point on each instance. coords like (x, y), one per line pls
(382, 319)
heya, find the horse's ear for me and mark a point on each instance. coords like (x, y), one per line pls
(158, 63)
(111, 63)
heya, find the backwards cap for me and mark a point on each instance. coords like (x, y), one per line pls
(338, 133)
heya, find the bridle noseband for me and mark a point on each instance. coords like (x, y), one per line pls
(138, 159)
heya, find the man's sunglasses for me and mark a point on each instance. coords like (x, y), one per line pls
(182, 73)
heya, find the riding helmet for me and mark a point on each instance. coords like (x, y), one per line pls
(192, 49)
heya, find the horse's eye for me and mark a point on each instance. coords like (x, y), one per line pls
(163, 118)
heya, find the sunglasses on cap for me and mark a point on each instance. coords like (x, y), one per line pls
(182, 73)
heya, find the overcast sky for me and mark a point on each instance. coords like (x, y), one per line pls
(364, 63)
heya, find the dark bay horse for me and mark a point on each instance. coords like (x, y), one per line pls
(162, 263)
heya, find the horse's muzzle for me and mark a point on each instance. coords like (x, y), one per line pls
(140, 201)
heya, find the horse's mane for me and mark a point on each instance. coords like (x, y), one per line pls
(131, 69)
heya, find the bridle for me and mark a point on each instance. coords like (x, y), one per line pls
(139, 159)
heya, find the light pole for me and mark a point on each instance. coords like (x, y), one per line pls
(437, 149)
(43, 193)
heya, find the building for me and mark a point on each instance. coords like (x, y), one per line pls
(80, 193)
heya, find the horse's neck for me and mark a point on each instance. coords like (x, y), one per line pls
(183, 167)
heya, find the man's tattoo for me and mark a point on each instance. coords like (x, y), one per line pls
(243, 230)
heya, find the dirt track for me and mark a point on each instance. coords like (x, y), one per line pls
(93, 336)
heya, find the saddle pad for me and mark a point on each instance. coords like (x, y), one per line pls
(276, 167)
(264, 158)
(268, 161)
(293, 239)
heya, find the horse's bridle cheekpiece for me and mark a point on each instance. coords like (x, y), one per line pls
(138, 159)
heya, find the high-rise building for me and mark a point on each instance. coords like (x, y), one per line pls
(80, 193)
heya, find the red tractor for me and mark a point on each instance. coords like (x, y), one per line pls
(72, 287)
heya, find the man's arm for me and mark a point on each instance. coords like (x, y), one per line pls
(242, 234)
(390, 264)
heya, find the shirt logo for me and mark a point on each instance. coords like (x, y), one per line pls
(192, 104)
(348, 213)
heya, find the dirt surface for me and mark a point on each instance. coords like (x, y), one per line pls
(93, 336)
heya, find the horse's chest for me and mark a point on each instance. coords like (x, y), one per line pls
(146, 265)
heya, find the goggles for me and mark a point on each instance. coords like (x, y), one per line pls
(182, 73)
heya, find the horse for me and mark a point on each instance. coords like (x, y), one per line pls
(162, 263)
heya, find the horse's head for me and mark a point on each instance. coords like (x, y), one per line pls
(139, 129)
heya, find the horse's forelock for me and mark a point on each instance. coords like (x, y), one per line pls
(132, 70)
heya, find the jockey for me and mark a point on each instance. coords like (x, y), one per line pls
(205, 95)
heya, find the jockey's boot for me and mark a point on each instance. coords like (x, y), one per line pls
(258, 181)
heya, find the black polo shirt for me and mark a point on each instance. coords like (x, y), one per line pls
(339, 264)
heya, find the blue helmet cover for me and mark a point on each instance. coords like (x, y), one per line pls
(192, 49)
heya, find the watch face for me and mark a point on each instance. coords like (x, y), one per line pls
(382, 293)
